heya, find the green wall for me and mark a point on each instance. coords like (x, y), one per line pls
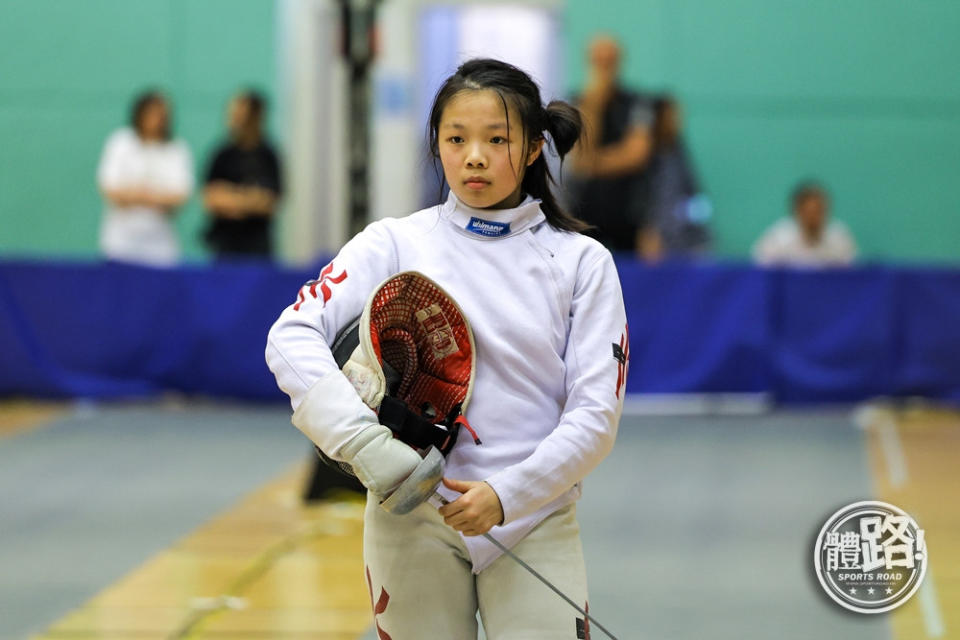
(68, 71)
(864, 94)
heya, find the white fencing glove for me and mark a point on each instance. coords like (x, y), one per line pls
(380, 461)
(334, 417)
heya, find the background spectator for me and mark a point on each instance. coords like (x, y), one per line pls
(608, 163)
(243, 184)
(144, 176)
(676, 224)
(808, 237)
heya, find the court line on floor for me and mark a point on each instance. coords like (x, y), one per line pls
(932, 617)
(892, 451)
(883, 422)
(892, 447)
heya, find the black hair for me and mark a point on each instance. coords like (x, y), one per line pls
(560, 119)
(807, 189)
(661, 104)
(141, 103)
(256, 102)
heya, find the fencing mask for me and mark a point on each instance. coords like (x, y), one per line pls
(411, 357)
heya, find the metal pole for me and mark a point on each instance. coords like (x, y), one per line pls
(359, 20)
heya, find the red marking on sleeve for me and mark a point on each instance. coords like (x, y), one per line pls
(626, 349)
(326, 289)
(624, 363)
(324, 282)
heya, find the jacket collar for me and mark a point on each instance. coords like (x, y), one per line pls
(492, 224)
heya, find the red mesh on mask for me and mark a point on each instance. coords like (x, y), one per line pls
(419, 331)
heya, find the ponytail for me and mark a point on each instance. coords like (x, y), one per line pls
(565, 126)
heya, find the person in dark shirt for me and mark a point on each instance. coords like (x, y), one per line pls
(243, 184)
(677, 210)
(608, 171)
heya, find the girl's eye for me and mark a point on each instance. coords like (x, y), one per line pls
(498, 139)
(455, 139)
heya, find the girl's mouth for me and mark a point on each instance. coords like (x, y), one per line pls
(476, 183)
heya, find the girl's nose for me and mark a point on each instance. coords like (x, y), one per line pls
(476, 159)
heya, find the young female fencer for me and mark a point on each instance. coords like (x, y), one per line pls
(551, 351)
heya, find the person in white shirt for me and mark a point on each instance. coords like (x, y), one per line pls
(144, 176)
(808, 238)
(552, 351)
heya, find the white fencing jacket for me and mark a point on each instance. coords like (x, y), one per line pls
(551, 339)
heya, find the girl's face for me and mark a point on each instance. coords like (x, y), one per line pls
(483, 161)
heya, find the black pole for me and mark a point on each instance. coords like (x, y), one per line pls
(359, 21)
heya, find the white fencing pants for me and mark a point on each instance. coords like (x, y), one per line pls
(422, 586)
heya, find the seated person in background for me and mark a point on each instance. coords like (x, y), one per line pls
(678, 212)
(808, 238)
(243, 184)
(144, 177)
(607, 186)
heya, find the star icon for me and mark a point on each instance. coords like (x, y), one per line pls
(852, 591)
(889, 590)
(870, 590)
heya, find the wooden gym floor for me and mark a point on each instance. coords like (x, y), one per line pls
(183, 520)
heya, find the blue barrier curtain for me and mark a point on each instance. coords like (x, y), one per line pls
(109, 330)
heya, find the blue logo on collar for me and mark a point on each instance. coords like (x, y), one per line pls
(488, 228)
